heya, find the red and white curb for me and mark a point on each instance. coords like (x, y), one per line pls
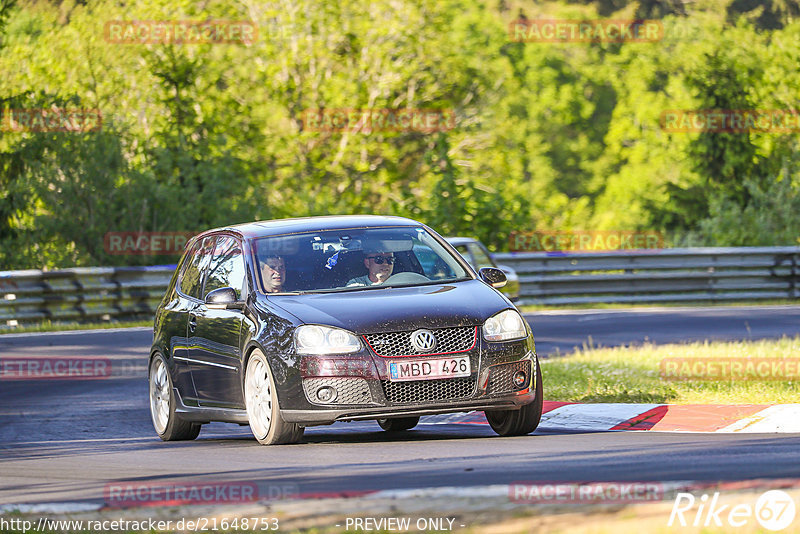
(601, 417)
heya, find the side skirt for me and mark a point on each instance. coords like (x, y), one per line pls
(206, 415)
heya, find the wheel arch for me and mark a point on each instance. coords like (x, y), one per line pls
(153, 351)
(273, 360)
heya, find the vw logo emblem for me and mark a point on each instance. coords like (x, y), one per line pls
(423, 340)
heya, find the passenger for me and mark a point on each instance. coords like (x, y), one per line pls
(273, 273)
(379, 266)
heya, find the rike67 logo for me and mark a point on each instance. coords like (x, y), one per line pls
(774, 510)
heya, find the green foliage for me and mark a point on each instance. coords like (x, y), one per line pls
(771, 217)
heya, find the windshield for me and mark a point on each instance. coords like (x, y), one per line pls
(353, 260)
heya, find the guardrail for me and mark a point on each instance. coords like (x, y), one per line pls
(669, 275)
(666, 275)
(90, 293)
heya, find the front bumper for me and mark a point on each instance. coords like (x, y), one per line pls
(491, 387)
(328, 416)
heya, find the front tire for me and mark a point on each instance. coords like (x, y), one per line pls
(523, 421)
(168, 425)
(398, 424)
(261, 400)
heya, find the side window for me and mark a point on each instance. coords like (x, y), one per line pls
(481, 258)
(226, 267)
(191, 277)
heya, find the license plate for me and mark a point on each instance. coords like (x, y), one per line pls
(429, 369)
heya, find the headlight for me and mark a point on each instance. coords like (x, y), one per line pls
(504, 326)
(314, 339)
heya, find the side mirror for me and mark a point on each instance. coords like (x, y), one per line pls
(492, 276)
(223, 298)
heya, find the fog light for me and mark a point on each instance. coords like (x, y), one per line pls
(326, 394)
(520, 379)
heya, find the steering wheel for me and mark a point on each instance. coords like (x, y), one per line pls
(406, 278)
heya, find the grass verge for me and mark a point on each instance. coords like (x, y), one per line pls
(633, 374)
(48, 326)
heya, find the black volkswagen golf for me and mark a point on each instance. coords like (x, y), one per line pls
(292, 323)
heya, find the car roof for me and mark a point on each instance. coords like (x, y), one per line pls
(310, 224)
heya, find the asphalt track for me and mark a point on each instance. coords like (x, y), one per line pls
(64, 441)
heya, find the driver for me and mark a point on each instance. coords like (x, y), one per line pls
(273, 273)
(379, 266)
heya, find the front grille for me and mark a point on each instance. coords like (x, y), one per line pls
(349, 390)
(448, 340)
(419, 391)
(500, 376)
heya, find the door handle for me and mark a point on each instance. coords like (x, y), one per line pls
(192, 322)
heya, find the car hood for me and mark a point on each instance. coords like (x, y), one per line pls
(371, 311)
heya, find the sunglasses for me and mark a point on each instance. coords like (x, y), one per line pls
(380, 260)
